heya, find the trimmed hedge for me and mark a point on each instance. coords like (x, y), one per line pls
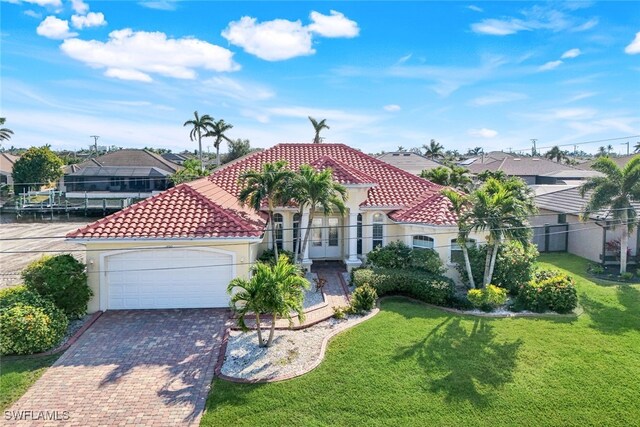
(487, 299)
(63, 280)
(269, 256)
(29, 322)
(552, 290)
(430, 288)
(397, 255)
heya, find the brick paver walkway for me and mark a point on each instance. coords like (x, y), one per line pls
(137, 367)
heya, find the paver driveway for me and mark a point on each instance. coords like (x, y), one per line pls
(138, 367)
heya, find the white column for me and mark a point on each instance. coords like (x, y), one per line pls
(304, 220)
(353, 236)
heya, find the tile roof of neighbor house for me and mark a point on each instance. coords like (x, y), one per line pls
(524, 166)
(203, 208)
(408, 161)
(6, 162)
(132, 157)
(199, 209)
(569, 201)
(121, 171)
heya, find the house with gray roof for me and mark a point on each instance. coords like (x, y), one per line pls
(409, 161)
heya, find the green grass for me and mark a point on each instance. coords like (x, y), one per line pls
(16, 376)
(414, 365)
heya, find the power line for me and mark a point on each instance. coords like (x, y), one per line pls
(580, 143)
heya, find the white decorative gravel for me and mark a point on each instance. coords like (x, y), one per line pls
(291, 353)
(311, 296)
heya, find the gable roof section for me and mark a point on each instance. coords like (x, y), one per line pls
(433, 209)
(132, 157)
(199, 209)
(525, 166)
(6, 162)
(569, 201)
(621, 161)
(408, 161)
(342, 173)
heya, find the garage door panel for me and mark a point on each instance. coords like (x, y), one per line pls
(176, 278)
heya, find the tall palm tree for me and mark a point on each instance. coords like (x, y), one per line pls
(217, 131)
(615, 190)
(434, 150)
(317, 190)
(459, 205)
(609, 148)
(498, 207)
(5, 134)
(602, 151)
(637, 147)
(200, 126)
(474, 151)
(556, 154)
(274, 289)
(317, 127)
(269, 185)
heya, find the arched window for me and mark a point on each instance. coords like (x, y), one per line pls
(422, 242)
(456, 250)
(359, 231)
(377, 232)
(278, 221)
(296, 230)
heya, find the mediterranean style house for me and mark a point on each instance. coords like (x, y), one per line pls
(180, 248)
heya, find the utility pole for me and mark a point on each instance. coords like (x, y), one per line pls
(533, 149)
(627, 144)
(95, 142)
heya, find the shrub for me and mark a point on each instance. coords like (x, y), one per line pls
(487, 299)
(363, 298)
(595, 269)
(29, 322)
(341, 312)
(554, 291)
(427, 260)
(431, 288)
(626, 276)
(63, 280)
(514, 266)
(393, 255)
(268, 256)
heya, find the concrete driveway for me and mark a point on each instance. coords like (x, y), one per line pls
(138, 367)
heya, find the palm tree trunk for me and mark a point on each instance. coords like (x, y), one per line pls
(312, 212)
(218, 155)
(273, 329)
(494, 255)
(259, 329)
(624, 243)
(487, 265)
(467, 264)
(200, 151)
(273, 235)
(298, 243)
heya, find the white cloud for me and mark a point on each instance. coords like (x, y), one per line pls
(92, 19)
(334, 25)
(497, 98)
(392, 107)
(159, 4)
(483, 133)
(550, 65)
(134, 55)
(475, 8)
(79, 7)
(33, 14)
(573, 113)
(54, 28)
(586, 26)
(634, 47)
(45, 3)
(236, 89)
(275, 40)
(496, 27)
(571, 53)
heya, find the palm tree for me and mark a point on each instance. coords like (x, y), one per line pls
(637, 147)
(275, 289)
(474, 151)
(5, 134)
(609, 148)
(268, 185)
(317, 127)
(217, 131)
(439, 175)
(317, 190)
(201, 125)
(499, 208)
(459, 205)
(556, 154)
(615, 190)
(434, 150)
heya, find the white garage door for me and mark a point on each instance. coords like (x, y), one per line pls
(168, 278)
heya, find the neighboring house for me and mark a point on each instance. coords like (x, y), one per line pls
(6, 168)
(181, 248)
(177, 158)
(534, 170)
(489, 157)
(128, 173)
(621, 161)
(559, 228)
(408, 161)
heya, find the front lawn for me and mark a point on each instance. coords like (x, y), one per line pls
(16, 376)
(415, 365)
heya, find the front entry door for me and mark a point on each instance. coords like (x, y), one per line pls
(325, 241)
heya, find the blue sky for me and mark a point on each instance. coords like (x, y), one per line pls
(490, 74)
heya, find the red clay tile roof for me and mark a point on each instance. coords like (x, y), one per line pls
(432, 209)
(342, 173)
(196, 209)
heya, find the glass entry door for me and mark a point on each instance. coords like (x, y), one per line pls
(325, 240)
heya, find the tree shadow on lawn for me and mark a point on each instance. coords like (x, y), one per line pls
(611, 319)
(465, 365)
